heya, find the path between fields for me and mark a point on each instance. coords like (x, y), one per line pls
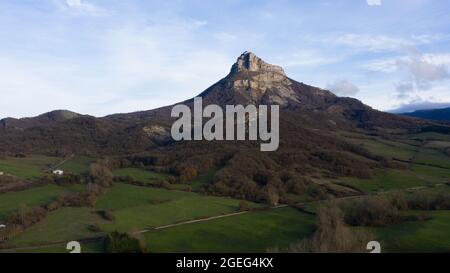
(60, 163)
(192, 222)
(84, 241)
(98, 239)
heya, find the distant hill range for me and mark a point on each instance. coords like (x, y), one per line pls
(432, 114)
(250, 81)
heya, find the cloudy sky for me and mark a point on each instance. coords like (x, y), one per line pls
(106, 56)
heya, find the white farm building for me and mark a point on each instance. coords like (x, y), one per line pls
(58, 172)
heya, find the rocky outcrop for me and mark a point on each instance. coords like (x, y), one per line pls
(252, 63)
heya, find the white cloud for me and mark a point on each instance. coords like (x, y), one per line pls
(309, 58)
(374, 2)
(418, 72)
(140, 66)
(421, 72)
(369, 42)
(437, 59)
(84, 7)
(390, 65)
(343, 88)
(404, 89)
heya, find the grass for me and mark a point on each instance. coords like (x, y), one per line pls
(34, 166)
(385, 180)
(251, 232)
(85, 248)
(77, 165)
(140, 208)
(429, 167)
(62, 225)
(388, 148)
(122, 196)
(30, 167)
(437, 173)
(427, 236)
(140, 174)
(431, 136)
(32, 197)
(438, 144)
(433, 157)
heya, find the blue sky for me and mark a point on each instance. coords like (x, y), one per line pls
(107, 56)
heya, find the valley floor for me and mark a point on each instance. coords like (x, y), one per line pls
(178, 220)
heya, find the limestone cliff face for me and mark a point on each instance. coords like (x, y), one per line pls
(253, 81)
(259, 80)
(250, 62)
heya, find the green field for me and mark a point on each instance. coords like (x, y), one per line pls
(252, 232)
(427, 236)
(386, 180)
(122, 196)
(428, 167)
(388, 148)
(433, 157)
(35, 166)
(440, 174)
(430, 136)
(77, 165)
(85, 248)
(140, 174)
(62, 225)
(30, 167)
(137, 208)
(33, 197)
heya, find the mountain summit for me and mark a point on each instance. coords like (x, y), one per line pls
(252, 63)
(41, 120)
(253, 81)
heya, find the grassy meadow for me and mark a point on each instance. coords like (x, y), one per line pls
(138, 208)
(428, 236)
(33, 167)
(32, 197)
(140, 174)
(251, 232)
(62, 225)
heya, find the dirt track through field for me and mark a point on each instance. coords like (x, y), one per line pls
(99, 239)
(52, 168)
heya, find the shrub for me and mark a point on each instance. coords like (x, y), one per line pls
(26, 217)
(117, 242)
(424, 200)
(108, 215)
(332, 235)
(271, 196)
(95, 227)
(101, 174)
(243, 206)
(68, 179)
(375, 211)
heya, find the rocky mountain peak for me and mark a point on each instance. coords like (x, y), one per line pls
(259, 81)
(252, 63)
